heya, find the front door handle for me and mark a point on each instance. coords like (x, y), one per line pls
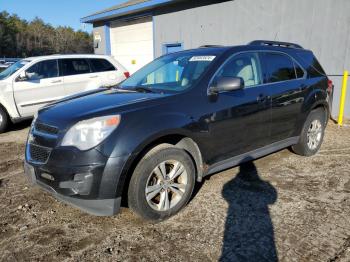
(303, 87)
(93, 76)
(261, 98)
(56, 81)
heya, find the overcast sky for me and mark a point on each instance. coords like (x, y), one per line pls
(57, 12)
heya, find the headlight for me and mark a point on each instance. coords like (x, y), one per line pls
(33, 122)
(89, 133)
(35, 117)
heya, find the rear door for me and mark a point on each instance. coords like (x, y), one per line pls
(78, 75)
(240, 120)
(42, 86)
(285, 79)
(108, 73)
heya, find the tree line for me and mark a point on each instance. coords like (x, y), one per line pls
(20, 38)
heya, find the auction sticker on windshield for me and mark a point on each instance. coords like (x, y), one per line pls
(202, 58)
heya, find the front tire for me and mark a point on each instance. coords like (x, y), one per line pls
(3, 120)
(161, 184)
(312, 134)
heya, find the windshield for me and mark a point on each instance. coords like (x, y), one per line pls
(175, 72)
(13, 69)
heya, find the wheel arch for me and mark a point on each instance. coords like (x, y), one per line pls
(322, 105)
(170, 140)
(317, 98)
(6, 111)
(4, 108)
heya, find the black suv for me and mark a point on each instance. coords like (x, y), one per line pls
(180, 118)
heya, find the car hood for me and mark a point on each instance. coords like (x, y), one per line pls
(93, 104)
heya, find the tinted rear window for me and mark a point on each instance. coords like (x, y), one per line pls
(280, 67)
(310, 63)
(101, 65)
(75, 67)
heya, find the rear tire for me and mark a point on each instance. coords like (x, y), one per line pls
(311, 137)
(161, 184)
(4, 119)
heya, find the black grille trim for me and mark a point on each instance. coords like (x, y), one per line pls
(39, 154)
(43, 128)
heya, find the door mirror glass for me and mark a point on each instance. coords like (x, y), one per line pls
(228, 84)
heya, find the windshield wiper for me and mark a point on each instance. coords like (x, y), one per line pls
(143, 89)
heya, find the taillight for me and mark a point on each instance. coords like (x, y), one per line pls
(127, 74)
(330, 86)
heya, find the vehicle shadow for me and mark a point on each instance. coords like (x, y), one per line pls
(19, 126)
(249, 233)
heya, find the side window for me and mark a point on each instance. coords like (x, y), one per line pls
(280, 67)
(101, 65)
(75, 67)
(311, 64)
(42, 70)
(299, 71)
(246, 66)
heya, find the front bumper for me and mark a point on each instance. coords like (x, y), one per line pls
(93, 189)
(89, 180)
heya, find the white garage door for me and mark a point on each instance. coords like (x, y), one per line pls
(132, 43)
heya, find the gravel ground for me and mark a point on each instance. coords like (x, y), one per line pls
(280, 207)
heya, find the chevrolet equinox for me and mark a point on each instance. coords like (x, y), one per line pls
(180, 118)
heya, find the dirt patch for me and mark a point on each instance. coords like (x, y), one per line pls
(283, 206)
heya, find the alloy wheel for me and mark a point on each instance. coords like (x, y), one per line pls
(314, 134)
(166, 185)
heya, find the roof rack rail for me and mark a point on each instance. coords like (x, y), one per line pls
(208, 46)
(275, 43)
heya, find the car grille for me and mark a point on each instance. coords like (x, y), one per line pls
(39, 154)
(46, 128)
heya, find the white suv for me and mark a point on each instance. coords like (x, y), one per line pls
(36, 81)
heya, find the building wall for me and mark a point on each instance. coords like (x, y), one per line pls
(132, 42)
(320, 25)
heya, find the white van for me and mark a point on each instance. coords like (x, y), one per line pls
(34, 82)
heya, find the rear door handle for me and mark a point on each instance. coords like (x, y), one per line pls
(93, 76)
(56, 81)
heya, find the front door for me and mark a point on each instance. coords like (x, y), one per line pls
(240, 120)
(42, 85)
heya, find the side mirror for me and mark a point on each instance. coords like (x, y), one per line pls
(227, 84)
(22, 76)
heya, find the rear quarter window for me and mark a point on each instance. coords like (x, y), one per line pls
(311, 64)
(101, 65)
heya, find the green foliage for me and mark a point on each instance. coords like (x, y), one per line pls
(20, 38)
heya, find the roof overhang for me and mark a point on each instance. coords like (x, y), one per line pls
(127, 10)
